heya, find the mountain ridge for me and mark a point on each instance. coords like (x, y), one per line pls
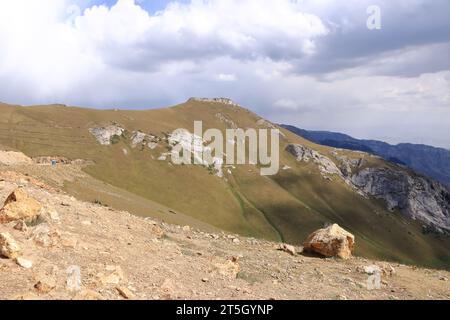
(428, 160)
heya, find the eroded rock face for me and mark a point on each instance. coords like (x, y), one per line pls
(332, 241)
(417, 197)
(326, 166)
(137, 138)
(141, 138)
(104, 135)
(20, 206)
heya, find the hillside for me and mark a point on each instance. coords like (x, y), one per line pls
(428, 160)
(80, 250)
(131, 172)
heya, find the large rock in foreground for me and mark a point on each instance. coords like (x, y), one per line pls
(20, 206)
(332, 241)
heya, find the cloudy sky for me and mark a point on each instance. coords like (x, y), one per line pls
(311, 63)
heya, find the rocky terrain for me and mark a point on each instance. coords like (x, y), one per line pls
(430, 161)
(417, 197)
(80, 250)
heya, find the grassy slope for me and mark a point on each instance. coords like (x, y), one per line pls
(284, 207)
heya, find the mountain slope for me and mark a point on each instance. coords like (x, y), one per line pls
(431, 161)
(120, 256)
(287, 206)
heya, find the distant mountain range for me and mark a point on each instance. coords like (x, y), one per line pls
(431, 161)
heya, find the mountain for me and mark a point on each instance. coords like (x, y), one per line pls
(394, 213)
(428, 160)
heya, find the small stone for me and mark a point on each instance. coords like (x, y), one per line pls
(236, 241)
(157, 231)
(8, 246)
(115, 275)
(21, 226)
(186, 228)
(287, 248)
(229, 269)
(24, 263)
(443, 278)
(42, 235)
(125, 292)
(69, 242)
(53, 214)
(45, 284)
(388, 270)
(205, 280)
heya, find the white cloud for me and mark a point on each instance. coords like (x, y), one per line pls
(226, 77)
(47, 51)
(287, 104)
(247, 50)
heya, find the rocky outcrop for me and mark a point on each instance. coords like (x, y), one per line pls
(141, 138)
(105, 135)
(417, 197)
(332, 241)
(347, 165)
(326, 166)
(138, 137)
(215, 100)
(19, 206)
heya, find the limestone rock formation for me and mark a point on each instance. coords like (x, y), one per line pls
(141, 138)
(332, 241)
(326, 166)
(416, 196)
(20, 206)
(105, 135)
